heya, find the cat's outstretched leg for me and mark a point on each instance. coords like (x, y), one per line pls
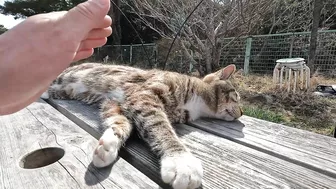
(178, 166)
(117, 132)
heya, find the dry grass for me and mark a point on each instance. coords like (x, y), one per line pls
(301, 110)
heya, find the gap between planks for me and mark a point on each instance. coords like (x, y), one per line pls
(40, 125)
(311, 150)
(226, 164)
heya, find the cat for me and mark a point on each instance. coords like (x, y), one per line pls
(150, 101)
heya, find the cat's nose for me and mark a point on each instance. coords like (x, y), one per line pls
(238, 112)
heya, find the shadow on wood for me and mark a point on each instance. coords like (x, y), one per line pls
(103, 173)
(232, 129)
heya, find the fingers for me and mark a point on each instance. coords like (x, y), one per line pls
(106, 22)
(91, 43)
(99, 33)
(86, 16)
(83, 54)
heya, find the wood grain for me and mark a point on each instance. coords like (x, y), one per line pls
(231, 165)
(137, 152)
(226, 163)
(39, 126)
(314, 151)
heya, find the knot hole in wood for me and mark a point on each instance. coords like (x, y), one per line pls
(41, 157)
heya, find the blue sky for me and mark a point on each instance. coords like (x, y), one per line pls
(8, 21)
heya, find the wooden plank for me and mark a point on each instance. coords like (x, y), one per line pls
(314, 151)
(226, 164)
(137, 153)
(39, 126)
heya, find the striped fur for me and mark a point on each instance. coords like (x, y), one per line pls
(151, 100)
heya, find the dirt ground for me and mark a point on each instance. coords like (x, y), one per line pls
(304, 110)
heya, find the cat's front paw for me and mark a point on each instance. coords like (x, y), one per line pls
(182, 171)
(107, 150)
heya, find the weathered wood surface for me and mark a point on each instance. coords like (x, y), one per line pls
(39, 126)
(137, 152)
(314, 151)
(226, 163)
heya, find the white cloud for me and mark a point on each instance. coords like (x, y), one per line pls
(8, 21)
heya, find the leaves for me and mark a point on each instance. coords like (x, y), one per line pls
(2, 29)
(26, 8)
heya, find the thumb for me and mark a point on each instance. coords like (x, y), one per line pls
(86, 16)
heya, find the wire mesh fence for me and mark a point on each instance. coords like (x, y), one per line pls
(233, 52)
(141, 55)
(261, 53)
(255, 54)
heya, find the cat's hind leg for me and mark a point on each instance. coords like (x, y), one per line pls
(118, 131)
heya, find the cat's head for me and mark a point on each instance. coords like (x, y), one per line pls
(227, 98)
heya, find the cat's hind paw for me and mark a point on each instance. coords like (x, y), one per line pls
(182, 171)
(107, 150)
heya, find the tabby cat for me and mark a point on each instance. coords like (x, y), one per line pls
(151, 101)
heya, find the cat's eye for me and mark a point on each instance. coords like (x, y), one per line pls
(234, 96)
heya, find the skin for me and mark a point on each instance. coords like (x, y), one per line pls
(36, 51)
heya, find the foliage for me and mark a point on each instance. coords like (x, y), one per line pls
(263, 114)
(2, 29)
(262, 99)
(26, 8)
(200, 41)
(201, 34)
(200, 38)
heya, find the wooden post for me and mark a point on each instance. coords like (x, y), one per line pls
(289, 79)
(247, 55)
(291, 46)
(190, 64)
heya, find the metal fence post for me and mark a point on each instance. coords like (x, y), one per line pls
(247, 55)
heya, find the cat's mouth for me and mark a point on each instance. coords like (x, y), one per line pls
(230, 113)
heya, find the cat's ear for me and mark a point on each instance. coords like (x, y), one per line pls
(221, 74)
(226, 72)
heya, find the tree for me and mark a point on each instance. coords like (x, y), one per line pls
(115, 15)
(2, 29)
(318, 5)
(211, 21)
(26, 8)
(297, 16)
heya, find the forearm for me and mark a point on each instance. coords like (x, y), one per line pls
(16, 83)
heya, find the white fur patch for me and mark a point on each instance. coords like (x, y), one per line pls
(182, 171)
(110, 121)
(117, 95)
(79, 73)
(77, 87)
(56, 87)
(197, 108)
(45, 95)
(107, 150)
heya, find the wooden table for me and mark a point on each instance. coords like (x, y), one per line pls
(249, 153)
